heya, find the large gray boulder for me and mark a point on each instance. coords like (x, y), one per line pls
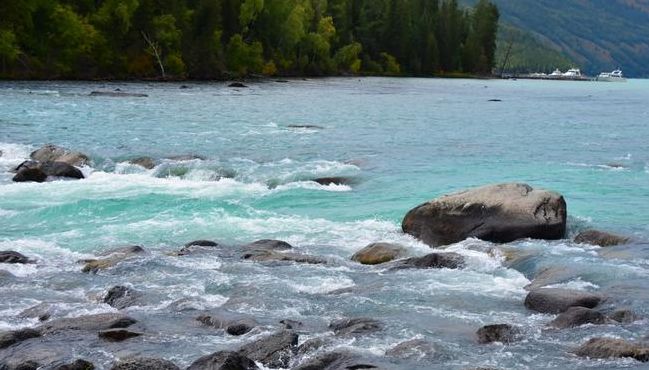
(223, 360)
(274, 351)
(556, 300)
(577, 316)
(499, 213)
(52, 153)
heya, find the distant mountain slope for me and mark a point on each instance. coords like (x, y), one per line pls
(598, 35)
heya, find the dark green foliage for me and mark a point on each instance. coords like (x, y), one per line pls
(214, 39)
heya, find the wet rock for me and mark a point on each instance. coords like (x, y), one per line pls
(146, 162)
(117, 335)
(186, 157)
(61, 169)
(272, 256)
(13, 257)
(274, 351)
(112, 258)
(497, 213)
(577, 316)
(600, 238)
(26, 164)
(267, 245)
(354, 326)
(624, 316)
(118, 94)
(291, 324)
(30, 175)
(552, 275)
(554, 300)
(42, 311)
(311, 345)
(334, 180)
(412, 349)
(145, 363)
(121, 297)
(27, 365)
(196, 245)
(9, 338)
(237, 84)
(337, 360)
(377, 253)
(503, 333)
(232, 323)
(613, 348)
(223, 360)
(96, 322)
(447, 260)
(495, 100)
(76, 365)
(54, 153)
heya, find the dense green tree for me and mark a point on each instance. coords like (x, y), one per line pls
(223, 38)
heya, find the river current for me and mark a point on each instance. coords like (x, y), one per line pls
(400, 142)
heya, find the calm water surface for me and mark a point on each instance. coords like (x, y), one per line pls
(402, 141)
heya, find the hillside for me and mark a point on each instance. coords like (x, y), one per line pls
(598, 35)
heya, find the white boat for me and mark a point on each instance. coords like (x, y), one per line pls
(615, 76)
(572, 73)
(556, 74)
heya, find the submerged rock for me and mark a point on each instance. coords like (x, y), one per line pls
(577, 316)
(337, 360)
(146, 162)
(449, 260)
(113, 257)
(613, 348)
(186, 157)
(555, 300)
(503, 333)
(306, 126)
(13, 257)
(600, 238)
(237, 84)
(274, 351)
(267, 250)
(624, 316)
(9, 338)
(117, 335)
(223, 360)
(232, 323)
(413, 349)
(42, 311)
(267, 244)
(497, 213)
(377, 253)
(145, 363)
(38, 172)
(96, 322)
(353, 326)
(121, 297)
(77, 365)
(54, 153)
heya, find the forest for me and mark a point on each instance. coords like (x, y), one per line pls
(221, 39)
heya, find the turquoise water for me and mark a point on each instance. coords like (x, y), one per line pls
(402, 141)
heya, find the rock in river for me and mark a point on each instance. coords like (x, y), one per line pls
(54, 153)
(337, 360)
(353, 326)
(77, 365)
(13, 257)
(146, 162)
(613, 348)
(9, 338)
(577, 316)
(101, 321)
(145, 363)
(112, 258)
(600, 238)
(498, 213)
(232, 323)
(223, 360)
(274, 351)
(449, 260)
(555, 300)
(30, 175)
(377, 253)
(121, 297)
(61, 169)
(503, 333)
(276, 250)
